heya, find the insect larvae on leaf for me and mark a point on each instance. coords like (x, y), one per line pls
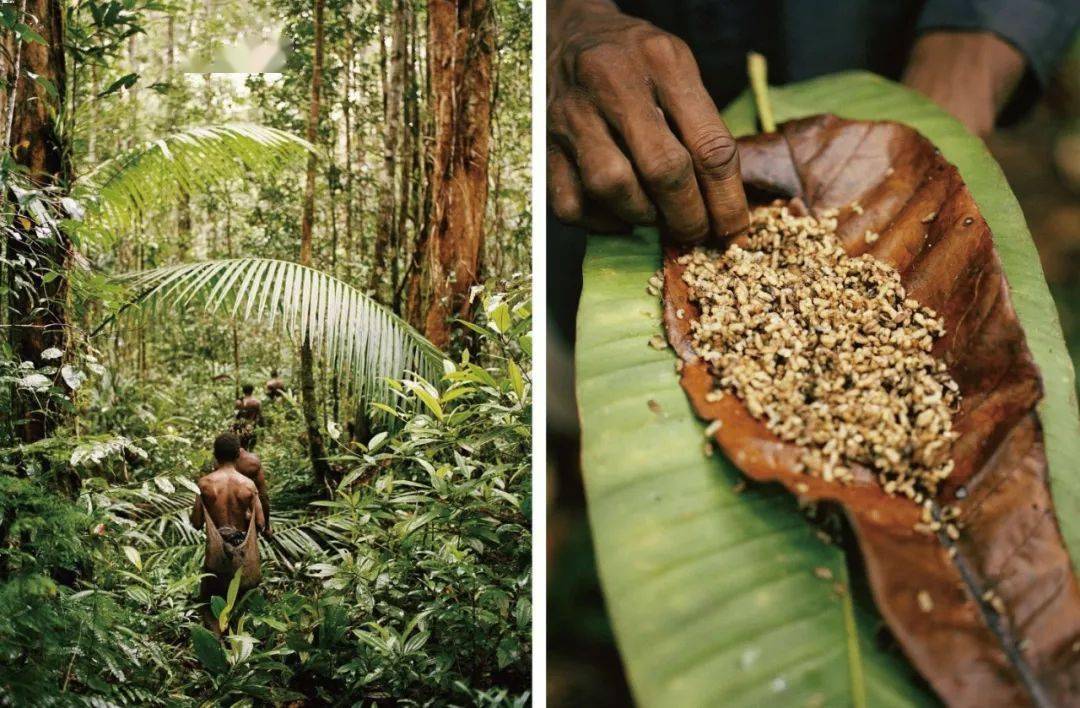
(828, 352)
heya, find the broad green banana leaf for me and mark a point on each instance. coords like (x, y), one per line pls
(725, 597)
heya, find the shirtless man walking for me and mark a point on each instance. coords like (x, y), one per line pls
(275, 387)
(248, 464)
(234, 490)
(248, 416)
(229, 505)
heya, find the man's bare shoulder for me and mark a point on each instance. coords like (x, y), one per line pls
(248, 463)
(210, 478)
(224, 476)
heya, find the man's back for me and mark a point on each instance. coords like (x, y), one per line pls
(275, 387)
(248, 407)
(248, 464)
(228, 497)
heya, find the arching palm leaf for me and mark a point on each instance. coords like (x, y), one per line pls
(154, 519)
(140, 180)
(354, 333)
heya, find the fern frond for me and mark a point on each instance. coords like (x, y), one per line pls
(138, 182)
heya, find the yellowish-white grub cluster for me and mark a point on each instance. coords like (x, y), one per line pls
(827, 350)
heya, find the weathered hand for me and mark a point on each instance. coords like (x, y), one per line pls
(969, 74)
(633, 137)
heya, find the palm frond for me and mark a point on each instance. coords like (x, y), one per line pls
(355, 334)
(141, 180)
(154, 521)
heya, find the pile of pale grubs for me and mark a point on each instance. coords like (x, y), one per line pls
(827, 351)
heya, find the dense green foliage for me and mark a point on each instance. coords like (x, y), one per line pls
(406, 576)
(412, 581)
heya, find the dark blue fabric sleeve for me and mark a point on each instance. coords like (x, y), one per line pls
(1041, 29)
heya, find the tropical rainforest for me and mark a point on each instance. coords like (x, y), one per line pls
(328, 195)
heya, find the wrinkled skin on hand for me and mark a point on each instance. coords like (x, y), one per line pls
(633, 136)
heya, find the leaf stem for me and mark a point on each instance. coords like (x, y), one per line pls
(758, 70)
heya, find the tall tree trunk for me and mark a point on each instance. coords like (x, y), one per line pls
(13, 47)
(332, 208)
(316, 446)
(418, 159)
(461, 45)
(39, 294)
(392, 101)
(92, 124)
(347, 111)
(139, 351)
(408, 148)
(183, 208)
(237, 384)
(421, 188)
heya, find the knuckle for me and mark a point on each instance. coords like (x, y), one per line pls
(566, 206)
(607, 181)
(665, 48)
(557, 117)
(668, 170)
(717, 153)
(595, 63)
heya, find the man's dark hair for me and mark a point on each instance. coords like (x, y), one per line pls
(247, 389)
(273, 373)
(226, 447)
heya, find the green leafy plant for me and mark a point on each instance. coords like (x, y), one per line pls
(719, 593)
(354, 333)
(413, 582)
(123, 189)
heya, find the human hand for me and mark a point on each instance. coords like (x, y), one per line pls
(969, 74)
(633, 136)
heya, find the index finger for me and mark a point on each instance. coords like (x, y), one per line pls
(714, 151)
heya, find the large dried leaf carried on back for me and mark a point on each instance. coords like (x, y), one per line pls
(859, 347)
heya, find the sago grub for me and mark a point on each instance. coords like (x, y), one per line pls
(827, 350)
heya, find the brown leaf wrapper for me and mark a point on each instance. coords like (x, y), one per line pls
(1010, 555)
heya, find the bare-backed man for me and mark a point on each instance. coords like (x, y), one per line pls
(248, 464)
(228, 505)
(275, 387)
(226, 495)
(248, 417)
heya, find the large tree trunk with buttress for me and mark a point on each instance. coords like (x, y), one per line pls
(39, 287)
(316, 444)
(461, 45)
